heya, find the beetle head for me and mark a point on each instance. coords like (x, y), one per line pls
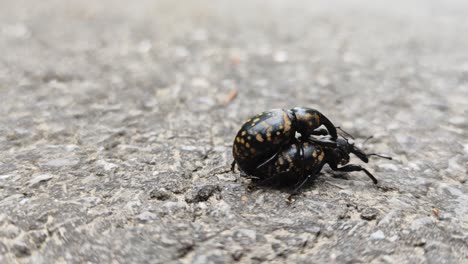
(344, 148)
(342, 151)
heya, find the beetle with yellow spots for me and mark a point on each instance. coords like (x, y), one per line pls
(303, 159)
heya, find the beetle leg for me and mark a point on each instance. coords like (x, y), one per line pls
(268, 160)
(320, 132)
(272, 157)
(301, 155)
(299, 187)
(306, 179)
(344, 132)
(233, 165)
(251, 177)
(379, 155)
(320, 141)
(310, 176)
(302, 183)
(355, 167)
(248, 176)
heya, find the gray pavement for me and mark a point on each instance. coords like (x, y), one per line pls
(117, 120)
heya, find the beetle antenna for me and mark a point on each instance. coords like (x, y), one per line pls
(344, 132)
(379, 155)
(367, 139)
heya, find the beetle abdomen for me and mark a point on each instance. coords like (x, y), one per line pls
(261, 137)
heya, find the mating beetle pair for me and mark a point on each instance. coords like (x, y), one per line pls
(266, 147)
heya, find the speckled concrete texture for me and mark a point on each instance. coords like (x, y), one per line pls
(117, 120)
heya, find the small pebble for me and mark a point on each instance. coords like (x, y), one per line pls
(20, 249)
(419, 243)
(146, 216)
(379, 235)
(160, 194)
(237, 255)
(201, 194)
(39, 179)
(369, 214)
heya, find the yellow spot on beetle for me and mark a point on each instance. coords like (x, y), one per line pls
(259, 137)
(243, 133)
(290, 162)
(281, 160)
(317, 118)
(287, 122)
(247, 145)
(320, 157)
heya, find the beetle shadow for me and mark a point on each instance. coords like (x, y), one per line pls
(290, 186)
(286, 185)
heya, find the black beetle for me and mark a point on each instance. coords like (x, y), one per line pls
(304, 158)
(263, 135)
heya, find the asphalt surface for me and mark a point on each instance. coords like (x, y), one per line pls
(117, 120)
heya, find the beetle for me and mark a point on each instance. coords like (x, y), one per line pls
(261, 138)
(304, 158)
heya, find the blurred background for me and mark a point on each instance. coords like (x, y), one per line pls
(117, 120)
